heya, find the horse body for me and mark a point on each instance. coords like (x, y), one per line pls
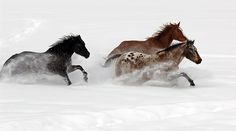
(132, 61)
(56, 60)
(138, 46)
(158, 41)
(27, 62)
(170, 58)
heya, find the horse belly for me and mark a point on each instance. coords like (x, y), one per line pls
(129, 62)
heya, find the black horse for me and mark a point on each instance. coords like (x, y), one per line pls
(56, 60)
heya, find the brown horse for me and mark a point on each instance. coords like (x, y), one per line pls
(160, 40)
(170, 58)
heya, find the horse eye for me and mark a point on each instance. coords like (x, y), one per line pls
(192, 50)
(78, 45)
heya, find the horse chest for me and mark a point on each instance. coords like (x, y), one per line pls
(57, 64)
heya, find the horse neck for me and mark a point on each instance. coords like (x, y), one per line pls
(60, 52)
(164, 39)
(175, 55)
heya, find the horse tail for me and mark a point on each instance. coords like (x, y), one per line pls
(110, 59)
(1, 74)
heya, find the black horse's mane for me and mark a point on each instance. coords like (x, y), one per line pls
(63, 42)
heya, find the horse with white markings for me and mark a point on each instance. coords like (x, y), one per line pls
(170, 57)
(160, 40)
(56, 60)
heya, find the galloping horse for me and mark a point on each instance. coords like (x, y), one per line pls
(160, 40)
(56, 60)
(173, 55)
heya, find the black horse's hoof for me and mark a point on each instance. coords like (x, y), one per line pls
(69, 83)
(85, 76)
(86, 79)
(192, 84)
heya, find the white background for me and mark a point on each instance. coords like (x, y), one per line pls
(104, 104)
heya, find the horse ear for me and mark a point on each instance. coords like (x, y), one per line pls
(190, 42)
(178, 24)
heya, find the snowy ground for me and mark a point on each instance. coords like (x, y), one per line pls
(104, 104)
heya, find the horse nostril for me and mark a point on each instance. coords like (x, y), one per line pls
(88, 55)
(199, 61)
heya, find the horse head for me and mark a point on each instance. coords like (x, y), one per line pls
(191, 53)
(178, 33)
(79, 47)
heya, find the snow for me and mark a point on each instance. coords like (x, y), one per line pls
(104, 103)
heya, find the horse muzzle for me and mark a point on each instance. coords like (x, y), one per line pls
(199, 61)
(87, 55)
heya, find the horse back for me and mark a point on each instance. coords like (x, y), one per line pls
(15, 56)
(127, 46)
(147, 47)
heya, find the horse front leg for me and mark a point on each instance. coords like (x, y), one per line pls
(182, 74)
(78, 67)
(67, 80)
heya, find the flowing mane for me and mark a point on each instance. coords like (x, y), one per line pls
(172, 47)
(63, 42)
(164, 29)
(176, 45)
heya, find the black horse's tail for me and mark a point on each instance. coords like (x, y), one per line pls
(110, 59)
(1, 74)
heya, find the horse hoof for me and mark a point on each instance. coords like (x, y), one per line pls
(69, 83)
(86, 79)
(85, 76)
(192, 84)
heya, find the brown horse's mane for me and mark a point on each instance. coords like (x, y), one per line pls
(164, 29)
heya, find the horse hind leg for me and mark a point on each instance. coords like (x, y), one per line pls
(76, 67)
(65, 77)
(67, 80)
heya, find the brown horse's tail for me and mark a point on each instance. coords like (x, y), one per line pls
(110, 59)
